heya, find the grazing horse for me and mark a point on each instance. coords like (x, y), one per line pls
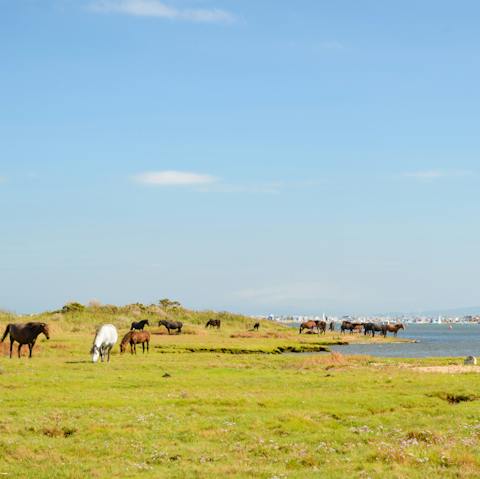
(310, 325)
(125, 340)
(321, 326)
(105, 339)
(256, 326)
(213, 323)
(133, 338)
(393, 328)
(139, 325)
(139, 337)
(25, 333)
(175, 325)
(349, 326)
(331, 326)
(372, 328)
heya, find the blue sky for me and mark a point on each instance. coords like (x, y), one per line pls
(253, 156)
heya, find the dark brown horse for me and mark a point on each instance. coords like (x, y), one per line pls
(175, 325)
(393, 328)
(321, 326)
(25, 333)
(256, 326)
(372, 328)
(350, 326)
(213, 323)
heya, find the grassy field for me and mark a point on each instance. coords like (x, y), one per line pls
(176, 414)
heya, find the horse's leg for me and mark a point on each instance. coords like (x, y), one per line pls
(30, 346)
(11, 347)
(19, 348)
(148, 346)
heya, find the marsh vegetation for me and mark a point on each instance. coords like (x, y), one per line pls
(211, 414)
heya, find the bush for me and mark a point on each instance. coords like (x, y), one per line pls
(73, 308)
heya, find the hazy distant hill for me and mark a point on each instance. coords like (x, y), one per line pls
(473, 310)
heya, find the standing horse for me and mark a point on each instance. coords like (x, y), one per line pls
(213, 323)
(256, 326)
(139, 337)
(349, 326)
(139, 325)
(372, 328)
(393, 328)
(321, 326)
(175, 325)
(104, 341)
(25, 333)
(331, 326)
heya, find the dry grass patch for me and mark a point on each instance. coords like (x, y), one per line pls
(266, 335)
(330, 361)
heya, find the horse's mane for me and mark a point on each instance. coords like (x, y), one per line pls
(35, 325)
(127, 337)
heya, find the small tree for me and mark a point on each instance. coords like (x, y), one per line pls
(168, 305)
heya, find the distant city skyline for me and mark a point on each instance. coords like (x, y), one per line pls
(259, 157)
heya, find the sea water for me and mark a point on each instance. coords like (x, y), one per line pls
(432, 340)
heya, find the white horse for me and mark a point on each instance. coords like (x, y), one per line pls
(104, 341)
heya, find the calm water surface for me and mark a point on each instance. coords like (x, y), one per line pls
(433, 340)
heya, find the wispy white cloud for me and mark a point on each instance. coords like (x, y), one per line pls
(432, 175)
(174, 178)
(159, 9)
(203, 183)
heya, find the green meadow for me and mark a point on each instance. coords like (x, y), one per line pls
(228, 403)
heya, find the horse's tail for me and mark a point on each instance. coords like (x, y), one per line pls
(7, 330)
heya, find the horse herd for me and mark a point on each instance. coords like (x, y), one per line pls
(107, 335)
(105, 338)
(354, 327)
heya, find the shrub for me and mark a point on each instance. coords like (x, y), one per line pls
(73, 308)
